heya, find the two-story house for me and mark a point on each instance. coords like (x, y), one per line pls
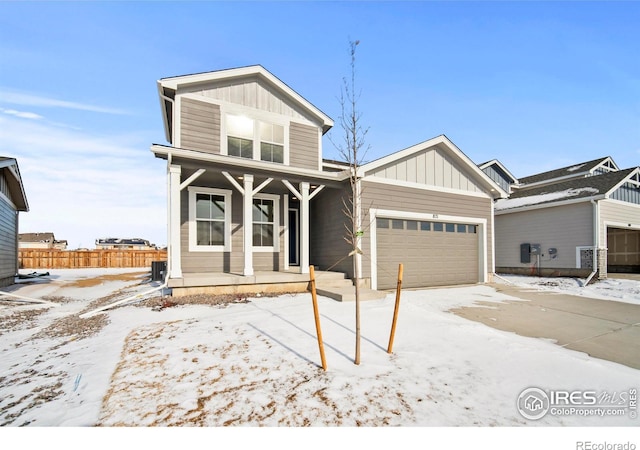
(251, 201)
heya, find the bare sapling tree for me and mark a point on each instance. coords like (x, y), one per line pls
(352, 149)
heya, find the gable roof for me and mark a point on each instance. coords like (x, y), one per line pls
(575, 189)
(495, 162)
(445, 143)
(167, 88)
(572, 171)
(36, 237)
(9, 166)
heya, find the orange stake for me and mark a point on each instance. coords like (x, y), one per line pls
(395, 311)
(317, 316)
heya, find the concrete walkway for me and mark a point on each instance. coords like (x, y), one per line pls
(601, 328)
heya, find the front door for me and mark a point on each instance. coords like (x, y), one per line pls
(294, 238)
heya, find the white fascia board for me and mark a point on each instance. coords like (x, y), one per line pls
(491, 185)
(623, 181)
(11, 164)
(603, 163)
(548, 205)
(502, 167)
(244, 163)
(165, 121)
(187, 80)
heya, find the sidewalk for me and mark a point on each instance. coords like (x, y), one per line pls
(601, 328)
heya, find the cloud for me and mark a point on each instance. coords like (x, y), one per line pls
(21, 114)
(24, 99)
(83, 187)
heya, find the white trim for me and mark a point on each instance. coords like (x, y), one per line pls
(193, 246)
(177, 121)
(276, 224)
(245, 163)
(256, 116)
(174, 246)
(424, 187)
(406, 215)
(285, 231)
(622, 182)
(624, 225)
(443, 141)
(319, 149)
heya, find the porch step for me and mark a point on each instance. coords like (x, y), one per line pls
(348, 293)
(335, 285)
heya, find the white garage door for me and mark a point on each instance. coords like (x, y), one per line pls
(432, 253)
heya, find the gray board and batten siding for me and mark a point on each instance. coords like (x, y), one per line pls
(8, 243)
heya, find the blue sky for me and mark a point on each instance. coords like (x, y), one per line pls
(537, 85)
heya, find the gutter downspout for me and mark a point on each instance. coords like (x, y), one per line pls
(596, 243)
(28, 299)
(126, 300)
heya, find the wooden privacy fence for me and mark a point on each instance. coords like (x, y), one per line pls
(74, 259)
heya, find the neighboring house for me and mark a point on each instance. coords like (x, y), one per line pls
(12, 201)
(553, 221)
(124, 244)
(45, 240)
(250, 192)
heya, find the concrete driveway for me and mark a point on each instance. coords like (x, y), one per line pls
(601, 328)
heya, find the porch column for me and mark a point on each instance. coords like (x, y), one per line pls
(304, 227)
(174, 253)
(247, 220)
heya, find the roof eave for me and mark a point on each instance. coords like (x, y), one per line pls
(524, 208)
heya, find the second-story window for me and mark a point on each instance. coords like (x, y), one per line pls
(255, 139)
(240, 136)
(271, 142)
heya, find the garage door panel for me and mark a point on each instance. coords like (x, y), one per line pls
(430, 258)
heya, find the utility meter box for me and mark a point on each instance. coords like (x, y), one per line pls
(536, 249)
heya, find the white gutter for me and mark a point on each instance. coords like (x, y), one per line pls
(126, 300)
(596, 239)
(28, 299)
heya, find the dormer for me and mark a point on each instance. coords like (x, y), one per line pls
(499, 173)
(243, 113)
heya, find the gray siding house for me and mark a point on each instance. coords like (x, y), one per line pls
(580, 220)
(251, 201)
(12, 201)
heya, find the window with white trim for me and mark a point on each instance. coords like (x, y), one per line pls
(255, 139)
(209, 219)
(263, 225)
(265, 218)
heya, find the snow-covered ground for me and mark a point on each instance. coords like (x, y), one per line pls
(256, 363)
(617, 289)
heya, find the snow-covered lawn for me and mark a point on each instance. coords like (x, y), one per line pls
(256, 363)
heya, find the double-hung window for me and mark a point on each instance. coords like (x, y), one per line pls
(255, 139)
(271, 142)
(265, 222)
(240, 136)
(209, 219)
